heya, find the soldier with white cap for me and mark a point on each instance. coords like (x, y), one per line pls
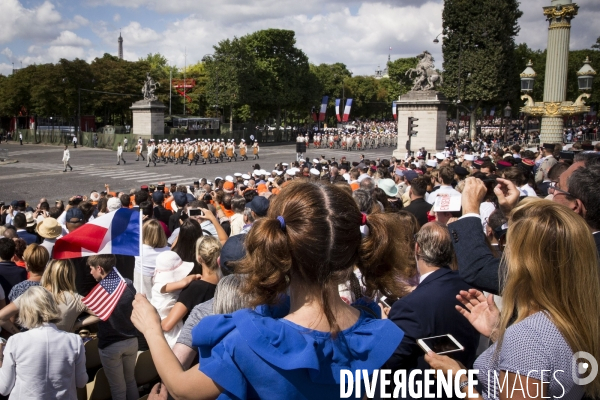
(150, 153)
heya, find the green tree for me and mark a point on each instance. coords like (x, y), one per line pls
(480, 41)
(281, 68)
(397, 72)
(122, 82)
(596, 46)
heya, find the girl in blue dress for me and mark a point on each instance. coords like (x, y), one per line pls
(295, 346)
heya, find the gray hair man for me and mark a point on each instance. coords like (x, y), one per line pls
(429, 309)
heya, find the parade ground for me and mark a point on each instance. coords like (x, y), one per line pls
(38, 171)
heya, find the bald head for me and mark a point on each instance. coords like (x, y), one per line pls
(435, 245)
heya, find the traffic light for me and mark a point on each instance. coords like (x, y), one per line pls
(412, 126)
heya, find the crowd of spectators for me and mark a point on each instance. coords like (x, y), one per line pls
(267, 284)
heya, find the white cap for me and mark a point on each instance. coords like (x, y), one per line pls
(469, 157)
(218, 177)
(316, 161)
(256, 172)
(246, 176)
(440, 156)
(285, 164)
(302, 160)
(432, 163)
(237, 174)
(279, 172)
(229, 178)
(113, 204)
(315, 171)
(271, 179)
(263, 172)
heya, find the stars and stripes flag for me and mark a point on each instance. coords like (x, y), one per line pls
(104, 297)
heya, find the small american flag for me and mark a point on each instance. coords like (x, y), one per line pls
(103, 299)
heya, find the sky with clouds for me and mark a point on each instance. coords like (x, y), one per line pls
(357, 33)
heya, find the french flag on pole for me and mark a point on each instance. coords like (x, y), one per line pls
(337, 110)
(347, 110)
(394, 112)
(323, 109)
(117, 232)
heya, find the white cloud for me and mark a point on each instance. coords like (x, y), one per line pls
(357, 33)
(5, 69)
(19, 22)
(81, 21)
(68, 38)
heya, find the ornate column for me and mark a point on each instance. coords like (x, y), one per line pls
(559, 16)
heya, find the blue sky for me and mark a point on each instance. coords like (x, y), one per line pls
(357, 33)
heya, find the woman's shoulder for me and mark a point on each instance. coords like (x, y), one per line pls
(365, 345)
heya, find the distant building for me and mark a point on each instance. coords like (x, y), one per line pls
(120, 47)
(379, 73)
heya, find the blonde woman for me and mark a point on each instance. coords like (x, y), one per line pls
(155, 242)
(36, 257)
(44, 362)
(208, 250)
(553, 286)
(59, 280)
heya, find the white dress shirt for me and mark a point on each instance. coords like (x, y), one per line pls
(43, 363)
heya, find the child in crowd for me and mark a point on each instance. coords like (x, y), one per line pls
(170, 277)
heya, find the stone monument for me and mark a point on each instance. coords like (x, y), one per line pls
(427, 105)
(149, 113)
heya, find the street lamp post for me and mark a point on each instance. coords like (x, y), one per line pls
(507, 115)
(554, 107)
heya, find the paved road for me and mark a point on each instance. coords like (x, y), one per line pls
(39, 170)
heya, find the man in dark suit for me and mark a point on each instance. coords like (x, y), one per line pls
(429, 310)
(577, 188)
(20, 222)
(418, 206)
(10, 273)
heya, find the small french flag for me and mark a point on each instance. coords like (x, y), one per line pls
(117, 232)
(337, 110)
(394, 112)
(347, 110)
(323, 109)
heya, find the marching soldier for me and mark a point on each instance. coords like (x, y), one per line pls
(66, 158)
(150, 153)
(120, 155)
(255, 150)
(243, 150)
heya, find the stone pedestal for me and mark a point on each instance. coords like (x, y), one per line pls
(430, 107)
(148, 119)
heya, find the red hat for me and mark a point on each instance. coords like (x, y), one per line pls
(144, 187)
(528, 162)
(229, 186)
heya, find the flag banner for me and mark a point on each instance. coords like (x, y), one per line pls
(104, 297)
(337, 110)
(347, 110)
(323, 109)
(117, 232)
(394, 111)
